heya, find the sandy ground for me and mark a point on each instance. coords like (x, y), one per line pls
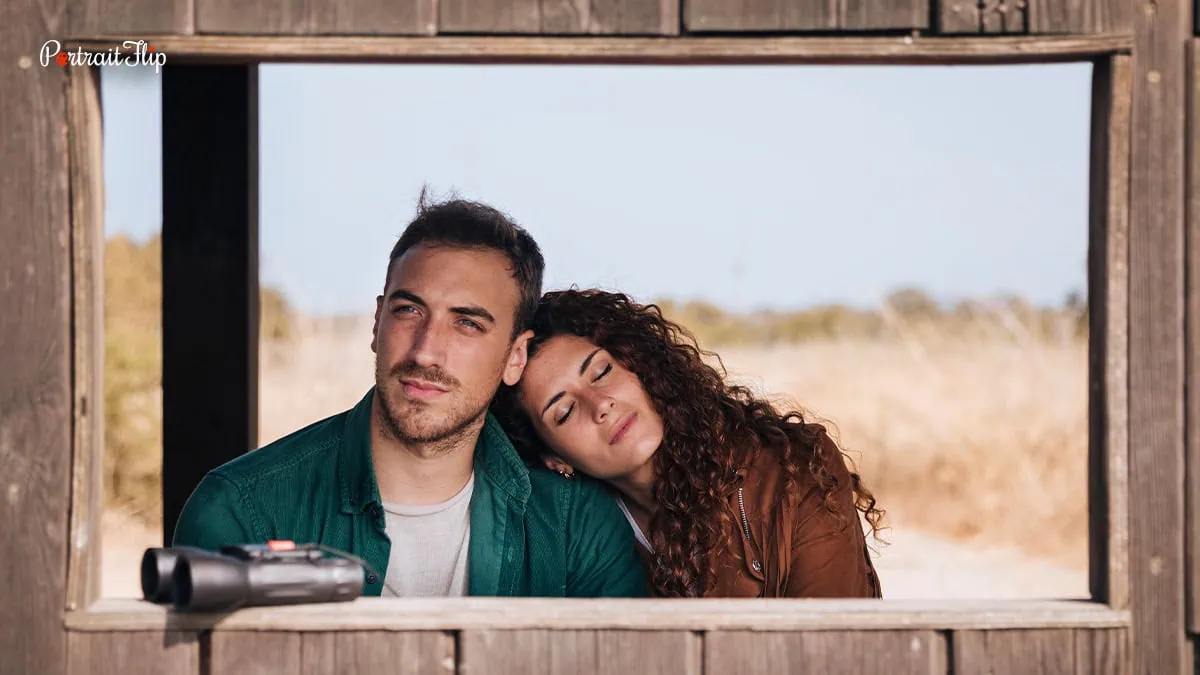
(913, 565)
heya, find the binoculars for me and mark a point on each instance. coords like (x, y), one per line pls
(276, 573)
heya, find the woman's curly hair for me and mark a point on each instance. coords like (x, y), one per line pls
(712, 428)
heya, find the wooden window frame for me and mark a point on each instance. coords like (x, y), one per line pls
(1108, 372)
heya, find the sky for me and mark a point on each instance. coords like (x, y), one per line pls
(750, 187)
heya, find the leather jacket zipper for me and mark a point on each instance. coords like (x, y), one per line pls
(749, 537)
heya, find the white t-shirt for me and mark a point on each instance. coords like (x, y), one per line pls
(429, 546)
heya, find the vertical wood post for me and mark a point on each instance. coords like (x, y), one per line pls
(210, 273)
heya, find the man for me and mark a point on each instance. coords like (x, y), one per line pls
(418, 479)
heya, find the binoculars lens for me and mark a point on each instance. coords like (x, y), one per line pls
(197, 580)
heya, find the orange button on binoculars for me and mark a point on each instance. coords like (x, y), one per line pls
(281, 545)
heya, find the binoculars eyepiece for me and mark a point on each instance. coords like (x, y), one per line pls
(276, 573)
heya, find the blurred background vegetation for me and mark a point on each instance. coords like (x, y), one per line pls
(133, 371)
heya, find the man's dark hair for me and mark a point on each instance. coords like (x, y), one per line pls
(461, 223)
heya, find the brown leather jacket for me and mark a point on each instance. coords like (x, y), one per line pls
(795, 546)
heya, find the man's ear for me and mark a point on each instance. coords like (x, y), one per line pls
(557, 465)
(518, 358)
(375, 326)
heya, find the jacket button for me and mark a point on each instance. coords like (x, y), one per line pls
(371, 578)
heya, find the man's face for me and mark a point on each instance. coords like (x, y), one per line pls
(442, 341)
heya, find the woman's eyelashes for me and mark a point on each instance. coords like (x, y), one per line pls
(603, 371)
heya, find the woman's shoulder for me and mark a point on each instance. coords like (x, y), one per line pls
(766, 469)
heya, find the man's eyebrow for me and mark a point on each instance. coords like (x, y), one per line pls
(401, 294)
(466, 310)
(582, 369)
(474, 310)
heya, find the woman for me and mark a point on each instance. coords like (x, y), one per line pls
(727, 496)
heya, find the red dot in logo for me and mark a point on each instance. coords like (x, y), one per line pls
(61, 58)
(150, 48)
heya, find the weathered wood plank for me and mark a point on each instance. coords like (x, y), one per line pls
(692, 50)
(1080, 16)
(210, 274)
(990, 17)
(1156, 360)
(87, 258)
(317, 17)
(559, 17)
(1103, 652)
(1193, 343)
(256, 653)
(35, 341)
(170, 653)
(130, 18)
(1024, 652)
(883, 14)
(535, 652)
(290, 653)
(760, 15)
(408, 653)
(898, 652)
(1108, 304)
(622, 614)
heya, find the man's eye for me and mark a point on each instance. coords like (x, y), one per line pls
(472, 324)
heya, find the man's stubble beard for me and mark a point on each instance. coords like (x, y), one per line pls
(434, 440)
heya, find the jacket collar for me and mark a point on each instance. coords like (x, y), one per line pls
(496, 460)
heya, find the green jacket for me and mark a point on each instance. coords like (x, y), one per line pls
(533, 533)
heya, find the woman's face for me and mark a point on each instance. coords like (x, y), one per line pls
(590, 410)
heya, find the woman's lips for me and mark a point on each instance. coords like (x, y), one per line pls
(623, 429)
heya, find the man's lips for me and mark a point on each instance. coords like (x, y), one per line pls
(422, 389)
(623, 428)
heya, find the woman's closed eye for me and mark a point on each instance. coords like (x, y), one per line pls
(565, 415)
(603, 372)
(599, 376)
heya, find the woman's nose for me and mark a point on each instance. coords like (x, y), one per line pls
(602, 407)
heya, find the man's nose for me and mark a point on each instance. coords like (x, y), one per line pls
(429, 345)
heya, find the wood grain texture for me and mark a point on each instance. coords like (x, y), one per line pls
(1193, 340)
(1108, 293)
(620, 614)
(130, 18)
(87, 273)
(957, 17)
(807, 15)
(1015, 652)
(549, 652)
(559, 17)
(317, 17)
(35, 341)
(690, 50)
(833, 652)
(169, 653)
(258, 653)
(1080, 16)
(884, 14)
(1041, 652)
(1103, 652)
(1156, 358)
(345, 653)
(210, 274)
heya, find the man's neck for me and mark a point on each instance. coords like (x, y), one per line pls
(416, 474)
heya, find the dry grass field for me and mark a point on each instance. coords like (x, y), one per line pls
(983, 441)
